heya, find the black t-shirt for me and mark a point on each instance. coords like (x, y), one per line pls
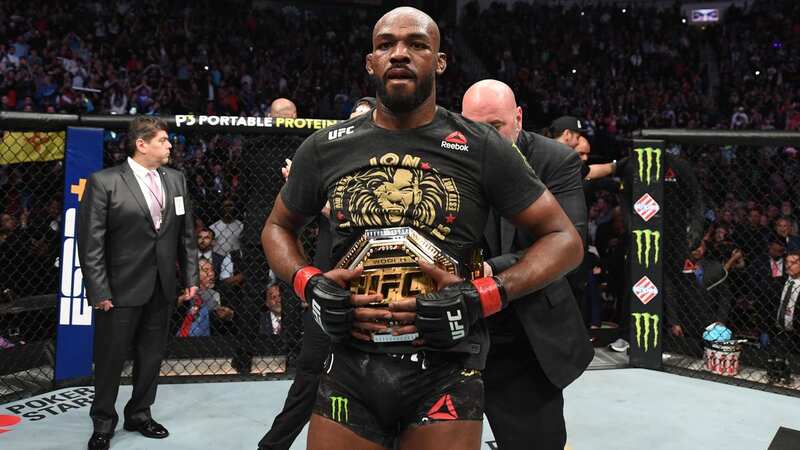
(440, 178)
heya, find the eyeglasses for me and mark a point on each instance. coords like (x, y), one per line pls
(793, 261)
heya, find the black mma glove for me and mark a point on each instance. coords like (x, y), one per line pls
(444, 318)
(330, 303)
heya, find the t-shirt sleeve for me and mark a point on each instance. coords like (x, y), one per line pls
(508, 180)
(303, 192)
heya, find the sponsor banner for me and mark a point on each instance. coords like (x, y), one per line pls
(645, 253)
(44, 407)
(75, 330)
(31, 146)
(190, 120)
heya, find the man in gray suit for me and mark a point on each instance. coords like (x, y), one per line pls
(539, 343)
(134, 224)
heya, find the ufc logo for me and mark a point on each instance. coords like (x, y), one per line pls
(74, 308)
(456, 328)
(336, 134)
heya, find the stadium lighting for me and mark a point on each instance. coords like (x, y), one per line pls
(624, 10)
(758, 72)
(574, 71)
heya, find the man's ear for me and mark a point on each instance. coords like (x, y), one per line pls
(137, 149)
(441, 63)
(370, 70)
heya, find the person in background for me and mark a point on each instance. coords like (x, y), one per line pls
(201, 308)
(135, 227)
(536, 350)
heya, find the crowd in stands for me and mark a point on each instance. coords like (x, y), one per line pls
(619, 69)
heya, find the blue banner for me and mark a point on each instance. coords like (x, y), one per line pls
(84, 155)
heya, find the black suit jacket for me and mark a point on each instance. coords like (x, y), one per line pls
(550, 316)
(120, 250)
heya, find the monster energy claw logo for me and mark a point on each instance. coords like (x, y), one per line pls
(652, 239)
(339, 408)
(642, 320)
(645, 171)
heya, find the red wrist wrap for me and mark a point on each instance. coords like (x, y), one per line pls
(300, 280)
(489, 293)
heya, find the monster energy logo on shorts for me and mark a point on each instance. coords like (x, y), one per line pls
(642, 320)
(651, 155)
(652, 240)
(339, 408)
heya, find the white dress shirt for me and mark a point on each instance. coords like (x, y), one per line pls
(776, 267)
(140, 172)
(788, 318)
(276, 323)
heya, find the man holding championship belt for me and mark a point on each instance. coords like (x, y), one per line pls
(410, 187)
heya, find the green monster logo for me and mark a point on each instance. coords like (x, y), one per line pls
(339, 408)
(645, 171)
(642, 320)
(650, 238)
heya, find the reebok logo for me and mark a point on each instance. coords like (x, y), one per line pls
(456, 328)
(455, 141)
(443, 409)
(669, 176)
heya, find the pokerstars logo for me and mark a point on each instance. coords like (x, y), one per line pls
(455, 141)
(645, 290)
(45, 406)
(646, 207)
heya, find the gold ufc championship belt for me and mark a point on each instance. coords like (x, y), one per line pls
(390, 258)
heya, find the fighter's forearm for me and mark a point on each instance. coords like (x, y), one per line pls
(282, 250)
(548, 258)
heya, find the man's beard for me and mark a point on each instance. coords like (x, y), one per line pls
(401, 103)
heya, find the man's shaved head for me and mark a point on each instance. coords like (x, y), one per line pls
(283, 107)
(493, 102)
(411, 17)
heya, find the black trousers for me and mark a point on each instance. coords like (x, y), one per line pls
(303, 392)
(146, 329)
(524, 409)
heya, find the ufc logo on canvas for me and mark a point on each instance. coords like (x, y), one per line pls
(456, 328)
